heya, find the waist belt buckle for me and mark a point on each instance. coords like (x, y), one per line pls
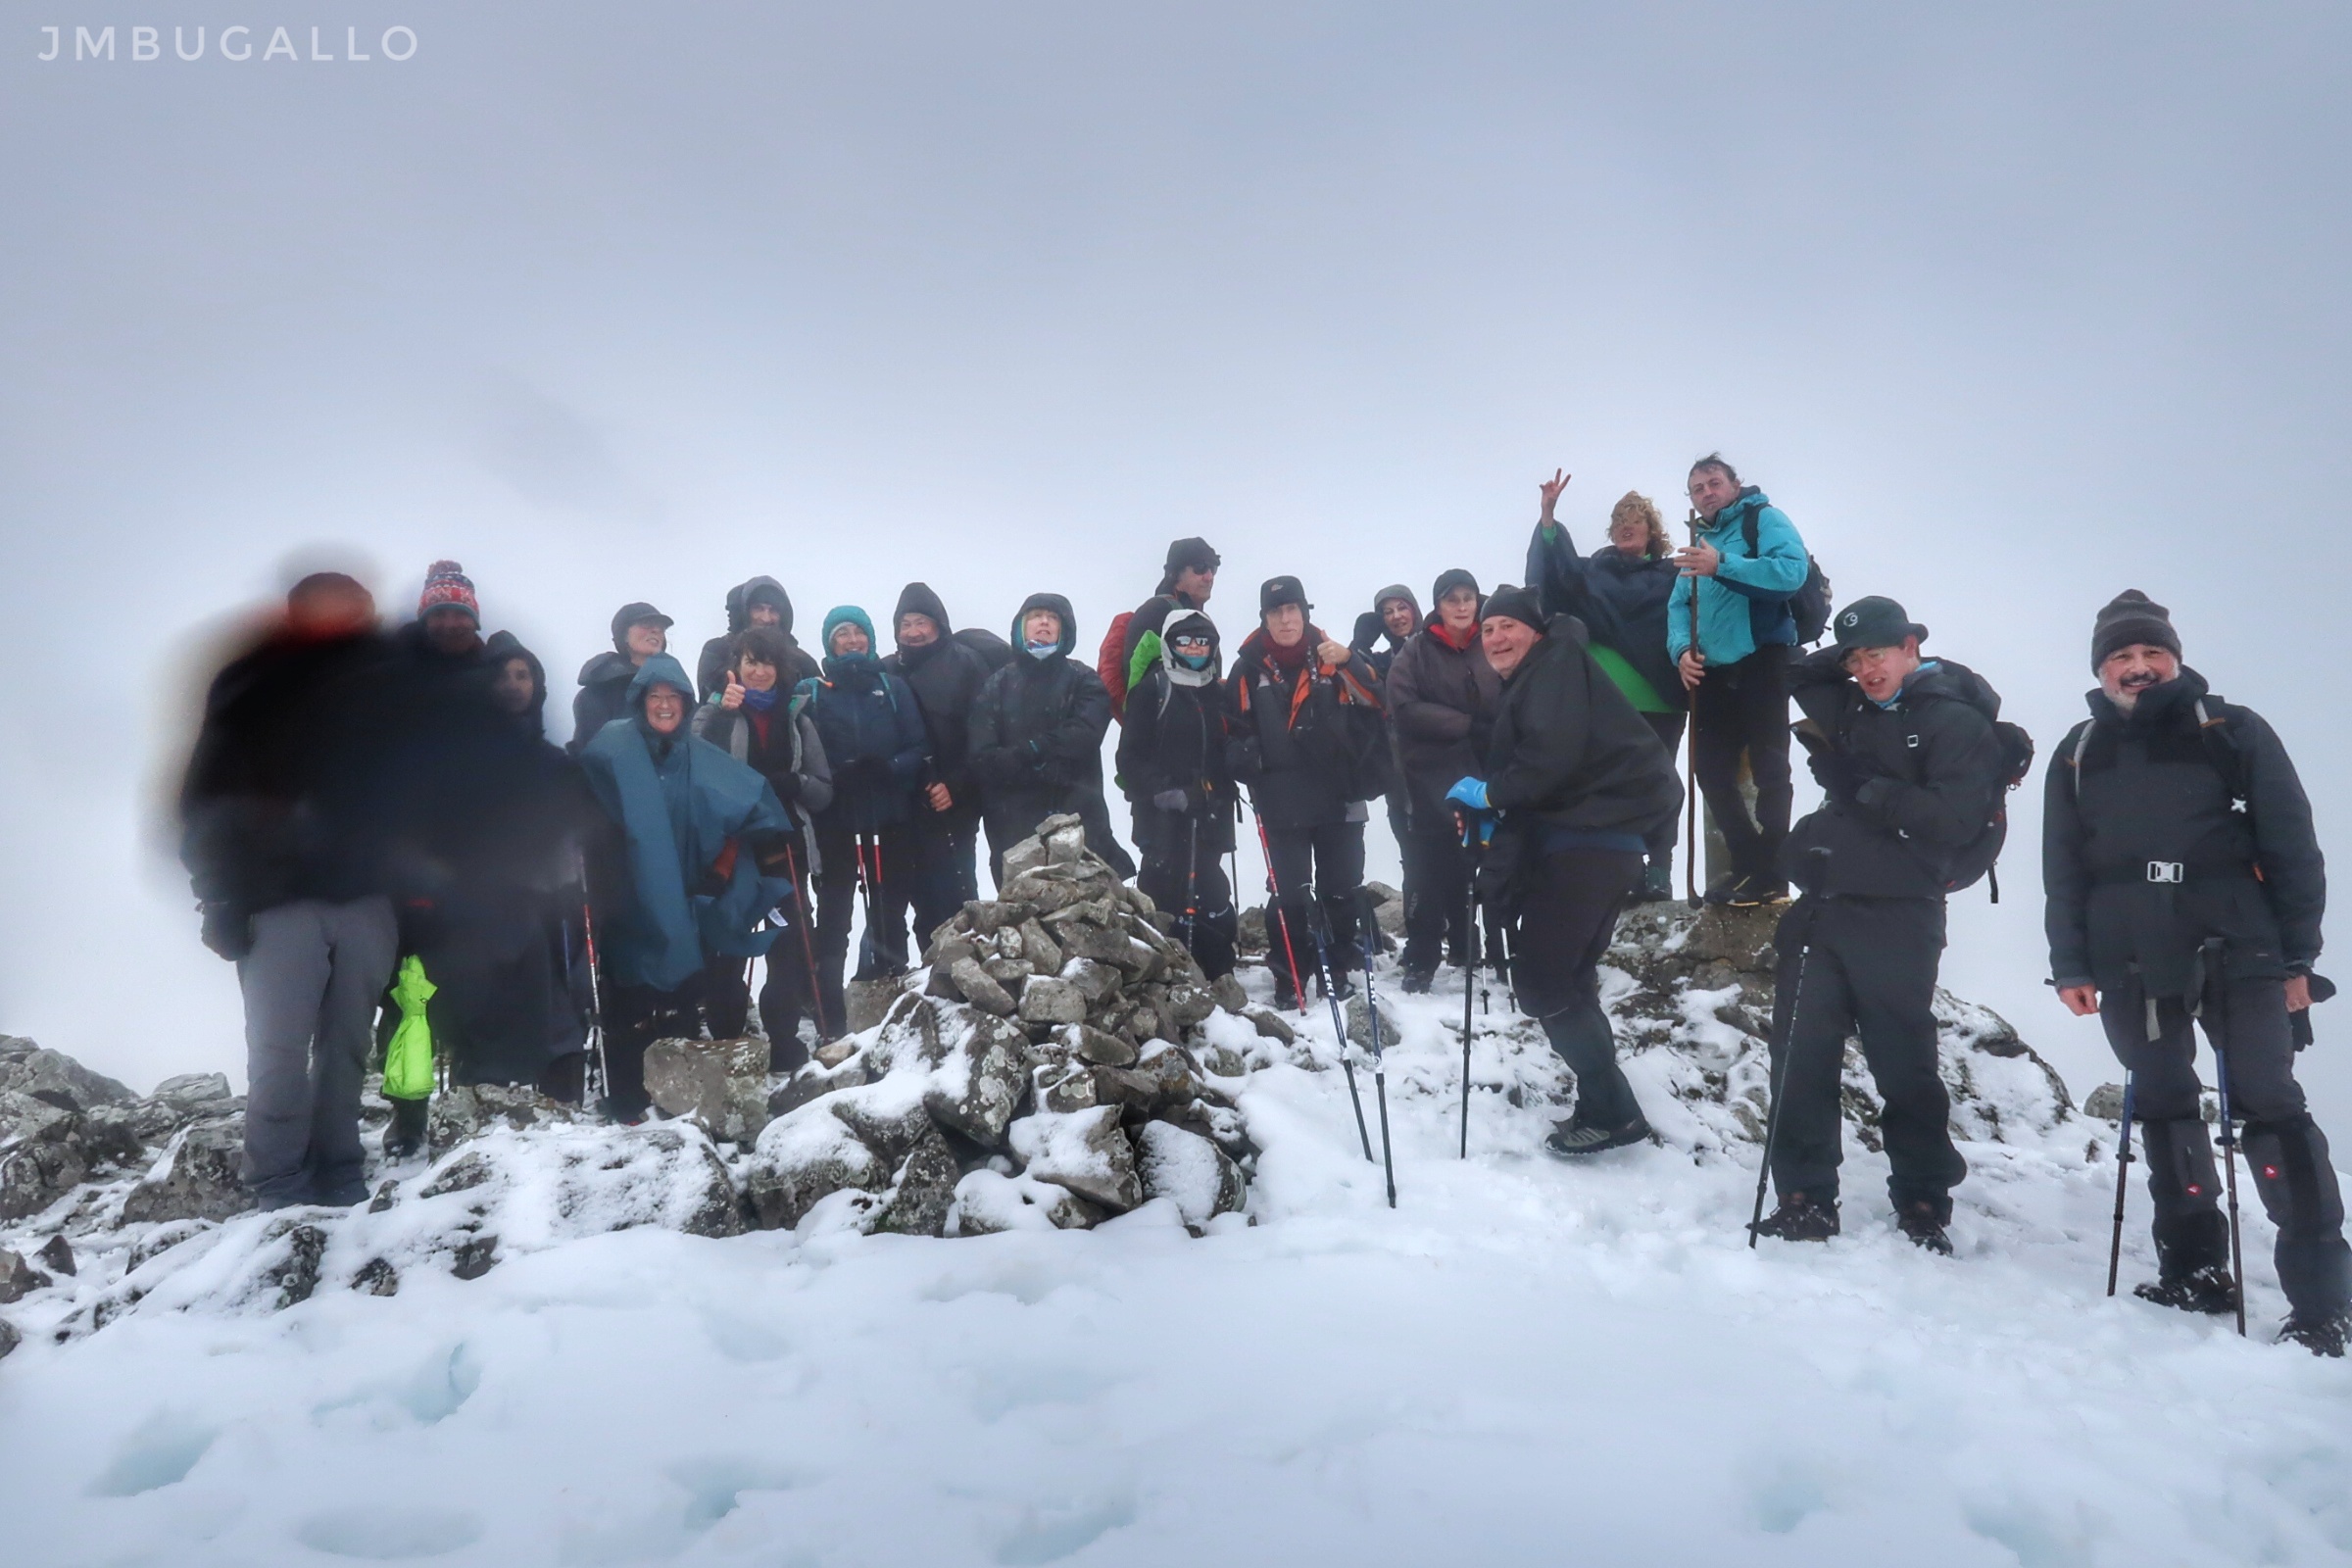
(2166, 871)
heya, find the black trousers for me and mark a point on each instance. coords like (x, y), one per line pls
(1566, 918)
(635, 1016)
(1165, 880)
(2286, 1153)
(891, 871)
(1437, 889)
(1668, 727)
(945, 846)
(785, 996)
(1867, 966)
(1743, 708)
(1318, 880)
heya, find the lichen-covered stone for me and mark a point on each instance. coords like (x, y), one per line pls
(197, 1177)
(718, 1085)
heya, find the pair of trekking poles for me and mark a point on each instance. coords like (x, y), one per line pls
(1331, 994)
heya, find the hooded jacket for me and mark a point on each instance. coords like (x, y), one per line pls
(503, 645)
(1175, 739)
(684, 884)
(1935, 783)
(1037, 741)
(1744, 605)
(2126, 789)
(873, 739)
(786, 751)
(718, 653)
(1571, 760)
(1442, 703)
(946, 677)
(602, 696)
(1310, 743)
(1622, 601)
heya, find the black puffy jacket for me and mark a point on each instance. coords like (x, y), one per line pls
(1308, 744)
(1935, 780)
(1037, 741)
(2155, 786)
(1175, 739)
(1570, 755)
(946, 677)
(1621, 600)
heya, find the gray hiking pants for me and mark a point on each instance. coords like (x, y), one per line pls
(311, 986)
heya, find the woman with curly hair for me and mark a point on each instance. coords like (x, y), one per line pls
(1620, 593)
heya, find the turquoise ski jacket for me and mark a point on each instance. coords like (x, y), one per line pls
(1744, 605)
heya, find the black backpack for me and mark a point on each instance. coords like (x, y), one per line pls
(1977, 858)
(1810, 604)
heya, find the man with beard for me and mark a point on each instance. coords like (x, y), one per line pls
(946, 675)
(2185, 886)
(1172, 761)
(1579, 782)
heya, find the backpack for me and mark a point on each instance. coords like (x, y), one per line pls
(2213, 734)
(993, 651)
(1110, 662)
(1977, 858)
(1810, 604)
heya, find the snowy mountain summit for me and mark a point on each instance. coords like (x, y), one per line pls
(1060, 1060)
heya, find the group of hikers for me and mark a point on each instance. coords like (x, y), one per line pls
(360, 805)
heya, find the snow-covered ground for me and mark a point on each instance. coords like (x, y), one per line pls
(1524, 1362)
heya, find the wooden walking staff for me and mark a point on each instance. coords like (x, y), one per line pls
(1691, 739)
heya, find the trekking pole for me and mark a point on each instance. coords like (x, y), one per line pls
(2122, 1176)
(1298, 982)
(1470, 951)
(800, 911)
(1339, 1020)
(1365, 928)
(2237, 1264)
(1690, 845)
(1780, 1082)
(591, 1093)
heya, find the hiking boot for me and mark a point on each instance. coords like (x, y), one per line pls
(404, 1139)
(1657, 883)
(1799, 1219)
(1416, 982)
(2322, 1334)
(1286, 997)
(2208, 1290)
(1753, 892)
(1572, 1139)
(1920, 1222)
(1720, 890)
(1340, 986)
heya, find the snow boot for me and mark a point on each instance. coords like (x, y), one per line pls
(1720, 890)
(404, 1139)
(1416, 982)
(1657, 883)
(1572, 1139)
(1799, 1219)
(2322, 1334)
(1755, 890)
(2207, 1290)
(1925, 1227)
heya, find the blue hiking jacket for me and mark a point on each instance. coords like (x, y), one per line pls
(1744, 605)
(874, 738)
(680, 803)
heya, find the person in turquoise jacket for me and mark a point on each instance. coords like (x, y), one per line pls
(1737, 674)
(681, 879)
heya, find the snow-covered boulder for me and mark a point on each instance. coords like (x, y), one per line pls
(1086, 1151)
(1190, 1170)
(198, 1176)
(718, 1085)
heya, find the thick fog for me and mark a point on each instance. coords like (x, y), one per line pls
(2008, 307)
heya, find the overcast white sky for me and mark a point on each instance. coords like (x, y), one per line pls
(2010, 307)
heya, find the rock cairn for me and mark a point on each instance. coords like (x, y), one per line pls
(1055, 1069)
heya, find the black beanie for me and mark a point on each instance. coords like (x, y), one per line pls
(1282, 591)
(2132, 616)
(1181, 553)
(1448, 581)
(1517, 602)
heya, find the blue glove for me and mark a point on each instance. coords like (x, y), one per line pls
(1470, 792)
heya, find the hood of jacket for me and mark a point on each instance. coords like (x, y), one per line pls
(659, 670)
(739, 603)
(503, 645)
(609, 668)
(1179, 674)
(1069, 625)
(918, 599)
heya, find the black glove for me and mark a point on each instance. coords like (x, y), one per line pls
(1839, 775)
(227, 930)
(1172, 800)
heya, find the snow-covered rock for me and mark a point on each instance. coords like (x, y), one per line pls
(1085, 1151)
(718, 1085)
